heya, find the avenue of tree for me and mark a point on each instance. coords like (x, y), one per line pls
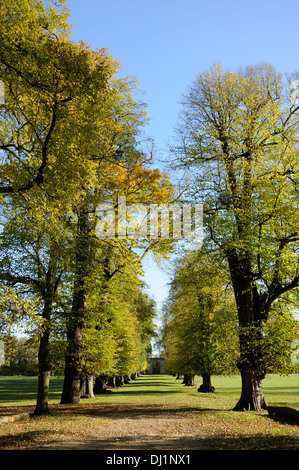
(72, 137)
(70, 140)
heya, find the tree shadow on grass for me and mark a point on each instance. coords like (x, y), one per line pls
(25, 439)
(151, 386)
(185, 443)
(12, 410)
(132, 411)
(148, 392)
(197, 443)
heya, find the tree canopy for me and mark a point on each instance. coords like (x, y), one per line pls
(200, 320)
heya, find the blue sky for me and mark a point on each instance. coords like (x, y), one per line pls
(166, 43)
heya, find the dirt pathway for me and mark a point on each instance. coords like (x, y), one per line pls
(141, 428)
(151, 413)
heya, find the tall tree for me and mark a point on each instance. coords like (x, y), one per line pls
(238, 131)
(118, 167)
(200, 320)
(33, 263)
(86, 250)
(55, 93)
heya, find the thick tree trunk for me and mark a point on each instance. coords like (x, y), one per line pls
(86, 388)
(206, 386)
(89, 386)
(42, 406)
(252, 398)
(112, 381)
(71, 384)
(100, 385)
(83, 388)
(75, 322)
(44, 360)
(253, 369)
(249, 306)
(188, 380)
(119, 380)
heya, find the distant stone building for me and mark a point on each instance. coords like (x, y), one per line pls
(157, 366)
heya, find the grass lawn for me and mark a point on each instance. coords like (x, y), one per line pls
(207, 416)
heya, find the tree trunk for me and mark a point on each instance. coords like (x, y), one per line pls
(75, 322)
(100, 385)
(111, 381)
(71, 384)
(42, 406)
(86, 388)
(83, 391)
(44, 360)
(206, 386)
(252, 397)
(119, 381)
(249, 306)
(188, 380)
(89, 386)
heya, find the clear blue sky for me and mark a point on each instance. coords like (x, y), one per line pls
(166, 43)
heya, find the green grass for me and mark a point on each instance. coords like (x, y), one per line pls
(21, 391)
(278, 390)
(211, 413)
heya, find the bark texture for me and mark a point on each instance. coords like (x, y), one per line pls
(75, 323)
(188, 380)
(206, 386)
